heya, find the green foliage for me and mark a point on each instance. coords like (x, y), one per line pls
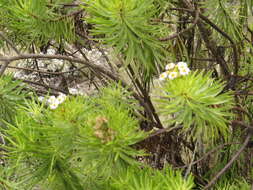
(150, 179)
(125, 25)
(3, 182)
(90, 142)
(28, 21)
(81, 143)
(235, 185)
(10, 97)
(227, 16)
(197, 102)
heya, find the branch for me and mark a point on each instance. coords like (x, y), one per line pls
(9, 42)
(241, 110)
(214, 26)
(244, 93)
(96, 68)
(229, 164)
(163, 130)
(46, 72)
(4, 67)
(207, 154)
(236, 122)
(45, 86)
(6, 63)
(235, 53)
(183, 31)
(56, 19)
(66, 16)
(61, 57)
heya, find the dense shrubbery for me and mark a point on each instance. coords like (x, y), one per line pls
(175, 93)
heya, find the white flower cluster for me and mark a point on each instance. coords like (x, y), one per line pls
(174, 70)
(52, 101)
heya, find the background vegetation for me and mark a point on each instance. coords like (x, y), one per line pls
(193, 131)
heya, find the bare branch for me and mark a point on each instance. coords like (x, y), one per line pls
(4, 67)
(9, 42)
(46, 72)
(229, 164)
(205, 19)
(61, 57)
(208, 153)
(183, 31)
(45, 86)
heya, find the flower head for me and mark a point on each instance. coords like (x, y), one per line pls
(61, 98)
(163, 76)
(41, 99)
(170, 66)
(184, 71)
(173, 75)
(181, 65)
(54, 104)
(51, 99)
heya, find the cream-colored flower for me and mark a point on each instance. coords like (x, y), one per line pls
(184, 71)
(51, 99)
(61, 98)
(170, 66)
(181, 65)
(54, 104)
(41, 98)
(163, 76)
(173, 75)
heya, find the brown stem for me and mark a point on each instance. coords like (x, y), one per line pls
(206, 34)
(182, 31)
(164, 130)
(207, 154)
(244, 93)
(148, 104)
(45, 86)
(229, 164)
(94, 67)
(46, 72)
(4, 67)
(62, 57)
(236, 122)
(9, 42)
